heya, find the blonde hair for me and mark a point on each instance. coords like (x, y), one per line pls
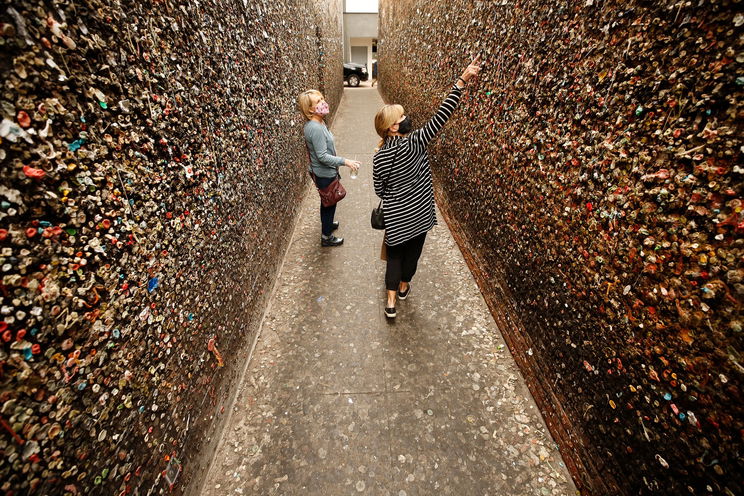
(386, 117)
(305, 102)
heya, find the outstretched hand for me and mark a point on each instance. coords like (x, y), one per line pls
(352, 164)
(473, 69)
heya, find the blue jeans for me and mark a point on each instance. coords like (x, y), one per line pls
(326, 213)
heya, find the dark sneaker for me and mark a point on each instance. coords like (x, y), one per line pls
(335, 226)
(390, 312)
(404, 295)
(331, 241)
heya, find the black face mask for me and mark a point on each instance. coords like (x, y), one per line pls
(404, 127)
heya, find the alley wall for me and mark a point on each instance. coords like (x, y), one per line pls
(152, 164)
(593, 176)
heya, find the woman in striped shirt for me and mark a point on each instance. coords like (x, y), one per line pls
(402, 179)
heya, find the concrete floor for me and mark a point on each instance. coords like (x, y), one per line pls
(338, 401)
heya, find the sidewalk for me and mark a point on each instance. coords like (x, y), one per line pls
(339, 401)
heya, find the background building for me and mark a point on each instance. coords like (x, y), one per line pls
(360, 32)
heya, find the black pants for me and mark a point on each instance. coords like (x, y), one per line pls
(326, 213)
(402, 261)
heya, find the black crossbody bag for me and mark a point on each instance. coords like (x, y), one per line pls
(377, 218)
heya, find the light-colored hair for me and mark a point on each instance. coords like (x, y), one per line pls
(306, 103)
(386, 117)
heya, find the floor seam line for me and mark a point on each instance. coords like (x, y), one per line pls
(346, 393)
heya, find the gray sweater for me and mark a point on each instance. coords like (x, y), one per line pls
(323, 159)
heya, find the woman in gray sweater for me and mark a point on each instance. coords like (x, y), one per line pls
(324, 163)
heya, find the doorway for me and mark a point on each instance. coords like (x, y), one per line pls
(359, 55)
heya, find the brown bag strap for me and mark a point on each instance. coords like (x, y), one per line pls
(390, 173)
(310, 168)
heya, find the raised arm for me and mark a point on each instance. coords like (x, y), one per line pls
(443, 113)
(431, 128)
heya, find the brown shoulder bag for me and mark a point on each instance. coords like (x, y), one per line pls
(331, 194)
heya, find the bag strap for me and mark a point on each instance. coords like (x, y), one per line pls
(384, 185)
(310, 167)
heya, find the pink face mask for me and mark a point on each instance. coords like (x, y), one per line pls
(322, 108)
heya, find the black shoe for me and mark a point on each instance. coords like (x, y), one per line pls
(335, 226)
(404, 295)
(331, 241)
(390, 312)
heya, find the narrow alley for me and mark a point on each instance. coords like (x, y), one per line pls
(338, 401)
(172, 325)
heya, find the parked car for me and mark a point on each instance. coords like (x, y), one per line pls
(354, 73)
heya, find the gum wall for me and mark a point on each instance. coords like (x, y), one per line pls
(151, 161)
(593, 176)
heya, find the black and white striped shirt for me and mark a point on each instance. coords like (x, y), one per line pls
(402, 166)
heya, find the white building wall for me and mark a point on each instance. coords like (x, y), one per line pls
(366, 42)
(359, 30)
